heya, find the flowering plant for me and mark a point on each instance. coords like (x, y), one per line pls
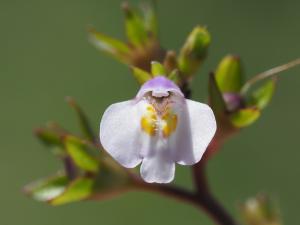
(161, 126)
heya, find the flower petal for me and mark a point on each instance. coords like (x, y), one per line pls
(160, 87)
(120, 132)
(158, 168)
(196, 128)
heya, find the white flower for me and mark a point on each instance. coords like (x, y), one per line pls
(158, 128)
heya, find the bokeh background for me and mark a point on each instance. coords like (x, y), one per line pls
(45, 55)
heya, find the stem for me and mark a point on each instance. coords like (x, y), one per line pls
(70, 168)
(209, 203)
(270, 73)
(202, 201)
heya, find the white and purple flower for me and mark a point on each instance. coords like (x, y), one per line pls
(158, 128)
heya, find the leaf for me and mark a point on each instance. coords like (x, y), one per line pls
(79, 189)
(47, 189)
(263, 95)
(78, 151)
(157, 69)
(140, 75)
(245, 117)
(194, 50)
(134, 25)
(216, 99)
(229, 75)
(83, 121)
(109, 45)
(49, 137)
(150, 19)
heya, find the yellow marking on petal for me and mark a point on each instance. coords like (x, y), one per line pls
(150, 109)
(149, 121)
(170, 123)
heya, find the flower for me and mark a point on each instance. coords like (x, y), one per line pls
(158, 128)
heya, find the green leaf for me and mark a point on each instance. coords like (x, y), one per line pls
(49, 137)
(157, 69)
(79, 152)
(47, 189)
(83, 121)
(229, 75)
(194, 51)
(140, 75)
(109, 45)
(263, 95)
(79, 189)
(135, 27)
(245, 117)
(150, 19)
(216, 99)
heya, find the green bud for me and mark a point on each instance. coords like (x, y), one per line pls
(194, 50)
(140, 75)
(229, 75)
(150, 19)
(134, 26)
(157, 69)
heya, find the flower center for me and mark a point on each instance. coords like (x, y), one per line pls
(159, 119)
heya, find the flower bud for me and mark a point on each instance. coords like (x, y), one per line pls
(260, 210)
(229, 75)
(194, 50)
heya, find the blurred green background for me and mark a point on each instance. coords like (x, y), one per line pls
(45, 56)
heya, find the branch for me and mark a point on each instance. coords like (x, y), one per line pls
(202, 201)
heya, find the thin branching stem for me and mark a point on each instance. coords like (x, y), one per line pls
(202, 201)
(270, 73)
